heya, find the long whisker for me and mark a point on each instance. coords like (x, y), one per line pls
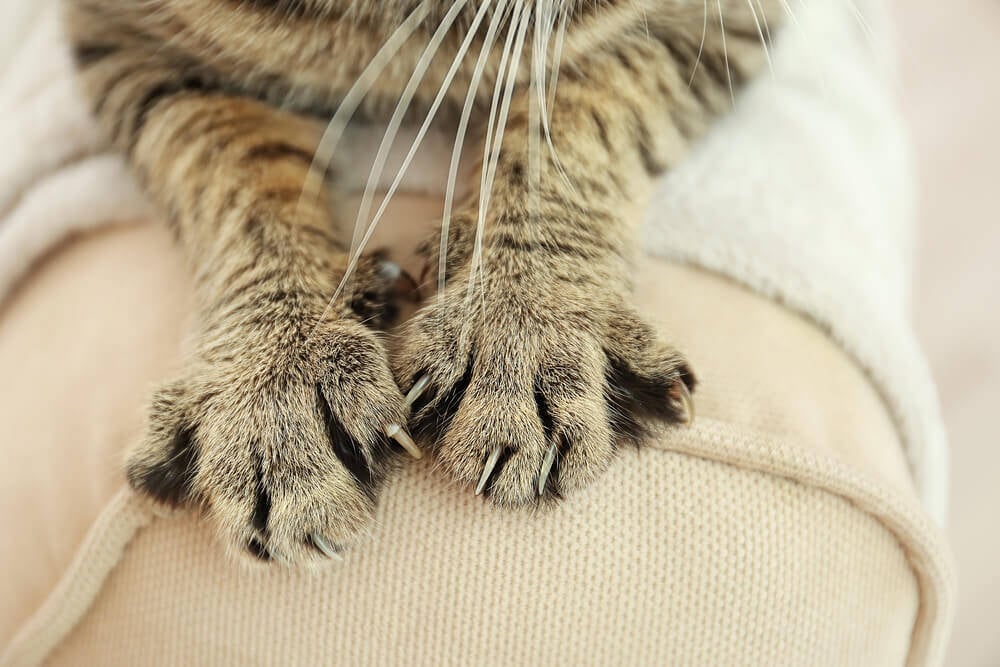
(790, 13)
(432, 113)
(536, 109)
(538, 113)
(701, 47)
(547, 103)
(763, 41)
(492, 32)
(394, 125)
(390, 135)
(863, 22)
(490, 167)
(725, 51)
(557, 54)
(539, 50)
(499, 86)
(763, 16)
(352, 100)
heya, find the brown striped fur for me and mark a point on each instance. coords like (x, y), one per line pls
(277, 427)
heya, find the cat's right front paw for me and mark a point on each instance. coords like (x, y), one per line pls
(526, 388)
(284, 445)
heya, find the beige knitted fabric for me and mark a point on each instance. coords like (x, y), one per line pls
(782, 529)
(698, 563)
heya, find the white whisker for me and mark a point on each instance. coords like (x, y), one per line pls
(558, 54)
(498, 86)
(547, 103)
(432, 113)
(463, 126)
(790, 13)
(536, 109)
(763, 40)
(394, 125)
(352, 100)
(493, 152)
(392, 130)
(725, 51)
(863, 22)
(763, 16)
(701, 47)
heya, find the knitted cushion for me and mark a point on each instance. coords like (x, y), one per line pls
(783, 528)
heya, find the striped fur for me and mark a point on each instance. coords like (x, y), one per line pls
(533, 351)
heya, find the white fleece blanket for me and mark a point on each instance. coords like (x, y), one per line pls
(802, 194)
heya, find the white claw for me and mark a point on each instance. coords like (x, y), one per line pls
(397, 433)
(547, 463)
(687, 403)
(417, 390)
(325, 547)
(389, 271)
(491, 463)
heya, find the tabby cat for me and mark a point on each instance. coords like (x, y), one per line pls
(531, 367)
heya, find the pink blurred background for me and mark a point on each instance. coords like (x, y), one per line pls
(949, 52)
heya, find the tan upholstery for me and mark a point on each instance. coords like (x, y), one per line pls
(781, 529)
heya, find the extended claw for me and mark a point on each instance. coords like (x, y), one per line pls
(389, 270)
(418, 389)
(399, 434)
(491, 463)
(320, 543)
(403, 283)
(682, 395)
(547, 463)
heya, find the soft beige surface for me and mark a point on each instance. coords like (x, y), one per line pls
(722, 567)
(77, 400)
(951, 93)
(18, 15)
(781, 529)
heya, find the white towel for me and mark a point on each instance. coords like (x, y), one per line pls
(803, 194)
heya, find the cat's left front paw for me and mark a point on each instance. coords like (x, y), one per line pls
(527, 394)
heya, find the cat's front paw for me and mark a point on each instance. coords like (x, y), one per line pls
(527, 392)
(283, 438)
